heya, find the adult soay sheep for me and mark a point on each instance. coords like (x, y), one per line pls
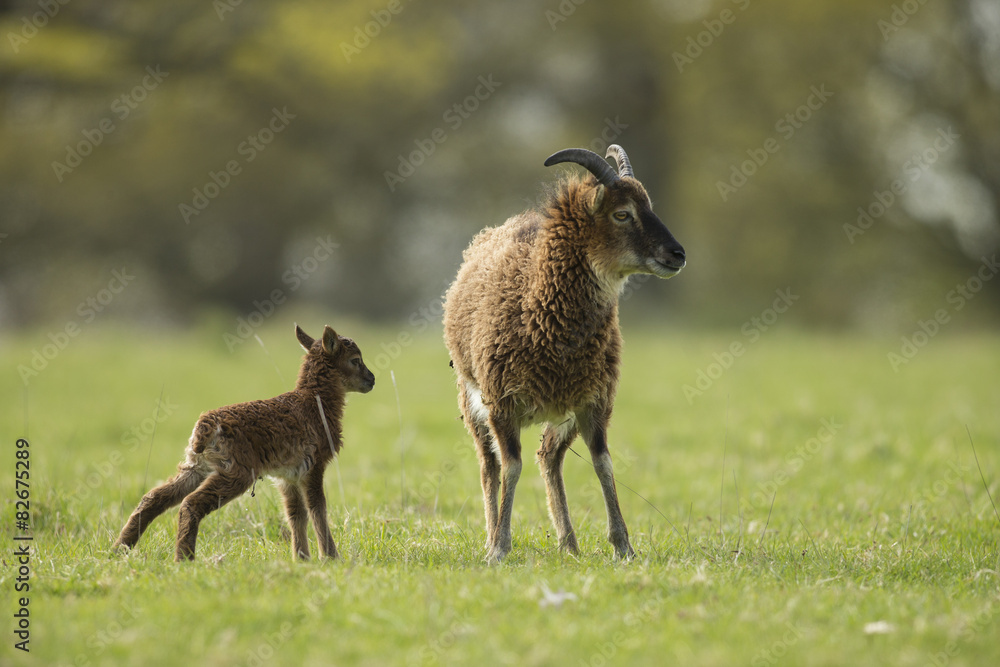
(531, 322)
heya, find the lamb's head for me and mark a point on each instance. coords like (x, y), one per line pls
(334, 356)
(626, 237)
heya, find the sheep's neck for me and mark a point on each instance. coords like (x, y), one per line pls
(569, 291)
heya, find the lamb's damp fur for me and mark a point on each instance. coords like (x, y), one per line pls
(531, 322)
(285, 437)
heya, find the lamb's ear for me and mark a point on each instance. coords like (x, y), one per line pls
(305, 340)
(331, 341)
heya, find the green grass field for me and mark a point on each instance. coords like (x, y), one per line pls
(881, 546)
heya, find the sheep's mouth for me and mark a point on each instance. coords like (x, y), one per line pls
(662, 269)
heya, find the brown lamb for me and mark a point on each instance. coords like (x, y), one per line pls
(531, 322)
(291, 438)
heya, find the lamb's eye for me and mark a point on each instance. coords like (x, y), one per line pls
(356, 363)
(622, 216)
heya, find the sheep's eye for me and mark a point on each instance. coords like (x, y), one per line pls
(622, 216)
(356, 362)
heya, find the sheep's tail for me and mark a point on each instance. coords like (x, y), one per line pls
(204, 434)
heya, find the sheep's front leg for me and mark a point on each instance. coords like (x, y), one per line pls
(593, 426)
(298, 518)
(213, 493)
(555, 441)
(507, 437)
(316, 499)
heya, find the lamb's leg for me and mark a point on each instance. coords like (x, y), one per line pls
(489, 461)
(317, 510)
(505, 431)
(593, 426)
(217, 490)
(555, 441)
(298, 518)
(156, 502)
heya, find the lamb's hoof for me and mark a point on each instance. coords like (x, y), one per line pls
(625, 554)
(568, 545)
(120, 549)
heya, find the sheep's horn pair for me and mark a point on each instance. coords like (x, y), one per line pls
(594, 163)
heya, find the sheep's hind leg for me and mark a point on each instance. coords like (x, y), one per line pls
(214, 492)
(555, 442)
(155, 503)
(595, 435)
(298, 518)
(489, 461)
(508, 442)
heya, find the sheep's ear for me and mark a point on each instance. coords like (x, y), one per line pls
(331, 340)
(597, 200)
(305, 340)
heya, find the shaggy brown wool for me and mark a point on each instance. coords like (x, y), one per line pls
(531, 322)
(286, 437)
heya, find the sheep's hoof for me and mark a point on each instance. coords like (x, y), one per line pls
(496, 555)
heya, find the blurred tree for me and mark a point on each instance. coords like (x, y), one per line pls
(213, 147)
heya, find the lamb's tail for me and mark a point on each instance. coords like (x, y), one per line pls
(204, 434)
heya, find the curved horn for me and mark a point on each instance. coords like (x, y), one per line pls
(624, 166)
(590, 160)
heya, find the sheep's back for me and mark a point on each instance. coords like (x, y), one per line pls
(484, 304)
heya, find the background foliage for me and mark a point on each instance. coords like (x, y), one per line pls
(691, 89)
